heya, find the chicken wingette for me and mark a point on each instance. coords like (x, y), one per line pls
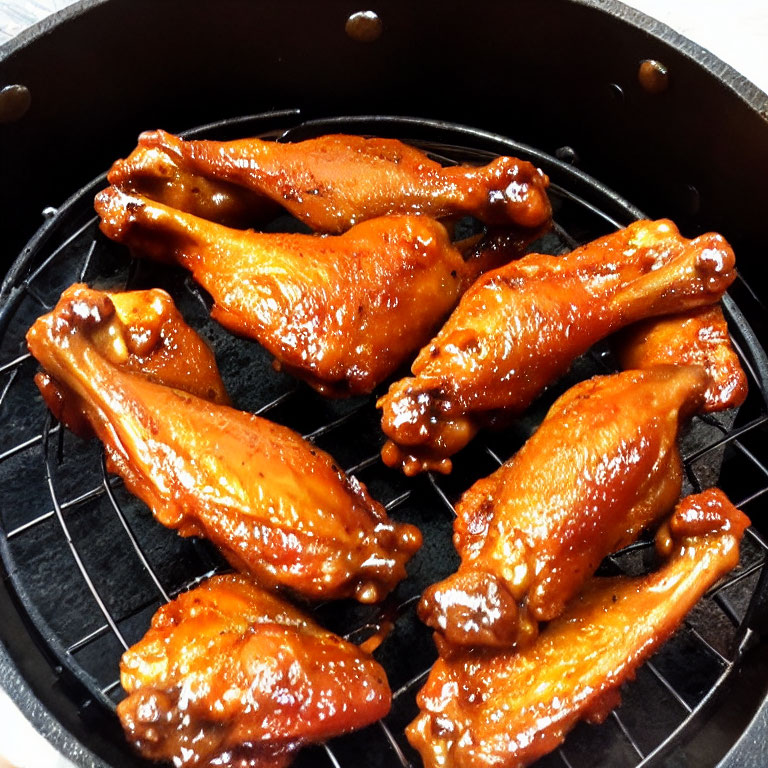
(697, 337)
(276, 506)
(340, 312)
(145, 337)
(519, 327)
(505, 709)
(602, 466)
(333, 182)
(229, 674)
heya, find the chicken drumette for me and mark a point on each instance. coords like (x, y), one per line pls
(333, 182)
(519, 327)
(340, 312)
(603, 465)
(484, 709)
(275, 505)
(229, 674)
(154, 173)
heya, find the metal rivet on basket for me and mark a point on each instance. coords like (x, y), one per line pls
(567, 155)
(364, 26)
(691, 200)
(653, 76)
(15, 100)
(616, 93)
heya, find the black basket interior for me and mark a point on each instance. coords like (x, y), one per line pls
(89, 565)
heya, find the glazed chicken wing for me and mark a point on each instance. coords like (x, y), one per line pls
(333, 182)
(603, 465)
(229, 674)
(519, 327)
(151, 172)
(506, 709)
(340, 312)
(697, 337)
(275, 505)
(145, 337)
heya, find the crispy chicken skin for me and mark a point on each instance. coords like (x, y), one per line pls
(333, 182)
(275, 505)
(482, 709)
(697, 337)
(519, 327)
(341, 312)
(603, 466)
(229, 674)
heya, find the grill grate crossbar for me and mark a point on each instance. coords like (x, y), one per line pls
(94, 493)
(49, 475)
(627, 735)
(129, 533)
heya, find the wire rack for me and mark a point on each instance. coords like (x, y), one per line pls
(90, 566)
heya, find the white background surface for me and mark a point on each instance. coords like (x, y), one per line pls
(736, 31)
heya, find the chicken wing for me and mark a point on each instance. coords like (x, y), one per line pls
(144, 337)
(340, 312)
(697, 337)
(603, 465)
(151, 172)
(519, 327)
(229, 674)
(333, 182)
(506, 709)
(275, 505)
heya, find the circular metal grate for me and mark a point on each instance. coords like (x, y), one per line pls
(90, 566)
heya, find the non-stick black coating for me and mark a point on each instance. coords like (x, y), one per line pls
(544, 71)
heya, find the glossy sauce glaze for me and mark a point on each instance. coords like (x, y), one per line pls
(333, 182)
(519, 327)
(697, 337)
(151, 172)
(340, 312)
(603, 465)
(276, 506)
(146, 335)
(484, 709)
(229, 674)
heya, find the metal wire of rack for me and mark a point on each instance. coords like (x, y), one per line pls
(90, 566)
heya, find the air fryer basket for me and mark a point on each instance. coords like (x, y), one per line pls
(86, 565)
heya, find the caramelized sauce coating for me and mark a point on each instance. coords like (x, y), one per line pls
(145, 334)
(519, 327)
(697, 337)
(603, 465)
(333, 182)
(483, 709)
(151, 172)
(275, 505)
(340, 312)
(229, 674)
